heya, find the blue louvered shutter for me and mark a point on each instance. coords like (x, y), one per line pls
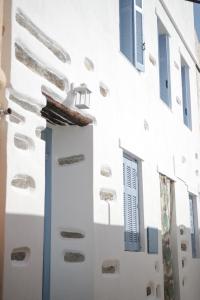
(164, 69)
(126, 28)
(138, 35)
(131, 205)
(192, 226)
(186, 96)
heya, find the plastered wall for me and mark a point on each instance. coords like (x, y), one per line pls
(130, 116)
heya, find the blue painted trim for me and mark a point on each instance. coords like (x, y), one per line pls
(47, 136)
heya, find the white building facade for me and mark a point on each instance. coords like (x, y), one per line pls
(116, 216)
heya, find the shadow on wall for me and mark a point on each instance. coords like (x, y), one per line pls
(119, 274)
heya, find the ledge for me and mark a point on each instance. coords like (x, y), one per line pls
(59, 114)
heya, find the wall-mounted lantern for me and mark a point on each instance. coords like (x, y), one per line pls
(82, 96)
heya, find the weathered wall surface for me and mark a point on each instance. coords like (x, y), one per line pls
(130, 116)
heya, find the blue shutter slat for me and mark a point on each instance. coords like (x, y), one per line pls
(186, 96)
(164, 69)
(131, 213)
(126, 28)
(139, 3)
(192, 227)
(138, 41)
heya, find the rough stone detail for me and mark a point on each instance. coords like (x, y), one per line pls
(38, 131)
(107, 194)
(48, 91)
(110, 267)
(176, 65)
(88, 64)
(70, 160)
(27, 58)
(16, 118)
(104, 91)
(72, 235)
(106, 171)
(24, 101)
(20, 254)
(184, 246)
(23, 181)
(74, 257)
(152, 59)
(53, 46)
(23, 142)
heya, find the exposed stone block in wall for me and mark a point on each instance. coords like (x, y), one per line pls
(106, 171)
(74, 257)
(88, 64)
(152, 59)
(104, 90)
(157, 266)
(176, 65)
(70, 159)
(48, 91)
(107, 194)
(110, 267)
(26, 57)
(24, 101)
(53, 46)
(178, 100)
(16, 118)
(150, 289)
(146, 125)
(182, 229)
(183, 262)
(71, 234)
(23, 142)
(184, 246)
(20, 255)
(23, 181)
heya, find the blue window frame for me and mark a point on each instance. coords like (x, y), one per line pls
(193, 224)
(164, 64)
(131, 204)
(131, 31)
(186, 94)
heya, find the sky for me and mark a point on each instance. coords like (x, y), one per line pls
(197, 18)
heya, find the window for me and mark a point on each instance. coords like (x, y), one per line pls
(193, 225)
(131, 204)
(186, 94)
(131, 32)
(164, 64)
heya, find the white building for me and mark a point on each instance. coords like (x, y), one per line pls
(85, 231)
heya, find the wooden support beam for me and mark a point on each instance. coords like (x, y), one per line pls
(60, 114)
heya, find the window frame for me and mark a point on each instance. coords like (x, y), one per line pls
(140, 220)
(162, 31)
(133, 57)
(195, 247)
(186, 94)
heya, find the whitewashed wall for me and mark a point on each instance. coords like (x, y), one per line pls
(91, 29)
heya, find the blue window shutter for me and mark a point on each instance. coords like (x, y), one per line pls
(131, 205)
(138, 35)
(186, 96)
(164, 69)
(126, 28)
(192, 226)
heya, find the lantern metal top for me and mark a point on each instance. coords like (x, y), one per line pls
(82, 89)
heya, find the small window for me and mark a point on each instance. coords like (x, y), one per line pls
(164, 64)
(194, 225)
(186, 94)
(131, 204)
(131, 31)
